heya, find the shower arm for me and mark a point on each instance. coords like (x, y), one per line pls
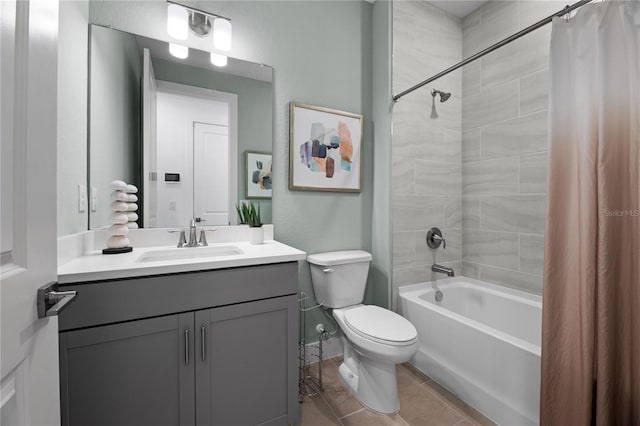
(491, 48)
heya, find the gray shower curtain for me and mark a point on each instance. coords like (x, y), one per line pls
(591, 299)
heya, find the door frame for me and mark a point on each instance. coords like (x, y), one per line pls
(231, 99)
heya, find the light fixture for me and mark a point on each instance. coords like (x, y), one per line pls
(222, 34)
(181, 19)
(178, 50)
(218, 60)
(177, 21)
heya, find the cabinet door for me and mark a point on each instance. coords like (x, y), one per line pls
(134, 373)
(246, 374)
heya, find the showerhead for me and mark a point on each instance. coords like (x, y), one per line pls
(444, 96)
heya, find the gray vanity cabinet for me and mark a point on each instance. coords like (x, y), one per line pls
(242, 374)
(213, 348)
(128, 374)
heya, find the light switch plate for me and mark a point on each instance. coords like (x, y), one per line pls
(94, 198)
(82, 198)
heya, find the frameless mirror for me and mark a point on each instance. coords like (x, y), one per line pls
(178, 129)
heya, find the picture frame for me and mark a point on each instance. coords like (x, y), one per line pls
(325, 149)
(258, 173)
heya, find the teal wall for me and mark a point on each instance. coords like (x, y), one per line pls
(381, 249)
(322, 54)
(114, 123)
(254, 112)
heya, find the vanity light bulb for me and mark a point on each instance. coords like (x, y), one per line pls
(218, 60)
(178, 50)
(177, 22)
(222, 34)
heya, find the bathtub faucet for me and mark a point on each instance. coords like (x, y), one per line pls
(442, 269)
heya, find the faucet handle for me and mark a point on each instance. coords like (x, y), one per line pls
(203, 236)
(182, 240)
(435, 238)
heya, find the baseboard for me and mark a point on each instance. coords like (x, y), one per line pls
(331, 348)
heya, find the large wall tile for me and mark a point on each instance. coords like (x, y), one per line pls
(416, 212)
(470, 212)
(511, 278)
(531, 11)
(491, 248)
(513, 213)
(402, 175)
(517, 59)
(471, 270)
(471, 79)
(533, 173)
(453, 212)
(490, 177)
(433, 178)
(403, 249)
(499, 19)
(522, 135)
(532, 254)
(490, 106)
(471, 145)
(534, 91)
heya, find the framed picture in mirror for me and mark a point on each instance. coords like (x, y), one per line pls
(259, 180)
(325, 147)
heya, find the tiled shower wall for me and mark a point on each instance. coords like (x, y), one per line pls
(426, 153)
(478, 171)
(504, 145)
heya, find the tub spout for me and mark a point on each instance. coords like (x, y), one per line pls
(442, 269)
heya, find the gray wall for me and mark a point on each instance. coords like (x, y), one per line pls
(426, 169)
(254, 112)
(332, 70)
(114, 125)
(72, 114)
(504, 145)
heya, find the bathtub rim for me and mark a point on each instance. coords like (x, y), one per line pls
(412, 292)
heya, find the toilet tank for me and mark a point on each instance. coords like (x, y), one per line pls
(339, 277)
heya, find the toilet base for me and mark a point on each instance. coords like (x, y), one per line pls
(373, 383)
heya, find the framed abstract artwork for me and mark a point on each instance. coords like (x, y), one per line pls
(325, 147)
(259, 180)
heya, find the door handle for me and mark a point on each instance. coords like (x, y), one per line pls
(51, 302)
(203, 340)
(186, 347)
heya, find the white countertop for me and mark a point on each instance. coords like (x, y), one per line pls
(95, 266)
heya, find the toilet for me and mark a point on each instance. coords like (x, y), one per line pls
(376, 339)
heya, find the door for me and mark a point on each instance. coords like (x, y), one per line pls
(211, 173)
(29, 347)
(149, 144)
(244, 359)
(133, 373)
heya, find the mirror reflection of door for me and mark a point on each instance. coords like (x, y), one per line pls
(194, 143)
(211, 171)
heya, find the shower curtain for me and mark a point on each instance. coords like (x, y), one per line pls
(591, 297)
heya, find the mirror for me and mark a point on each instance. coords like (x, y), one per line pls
(177, 129)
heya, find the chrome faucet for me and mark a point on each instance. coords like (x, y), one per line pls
(442, 269)
(193, 240)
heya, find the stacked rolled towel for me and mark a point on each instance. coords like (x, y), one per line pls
(123, 217)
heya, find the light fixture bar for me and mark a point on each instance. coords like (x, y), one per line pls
(193, 9)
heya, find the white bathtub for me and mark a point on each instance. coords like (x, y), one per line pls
(482, 342)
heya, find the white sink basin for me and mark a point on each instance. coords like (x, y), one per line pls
(188, 253)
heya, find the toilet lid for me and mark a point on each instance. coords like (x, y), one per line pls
(380, 324)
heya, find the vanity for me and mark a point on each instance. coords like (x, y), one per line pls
(208, 338)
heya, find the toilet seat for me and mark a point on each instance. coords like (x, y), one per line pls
(380, 325)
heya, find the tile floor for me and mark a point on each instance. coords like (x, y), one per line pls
(422, 403)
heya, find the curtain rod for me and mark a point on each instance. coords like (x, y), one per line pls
(490, 49)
